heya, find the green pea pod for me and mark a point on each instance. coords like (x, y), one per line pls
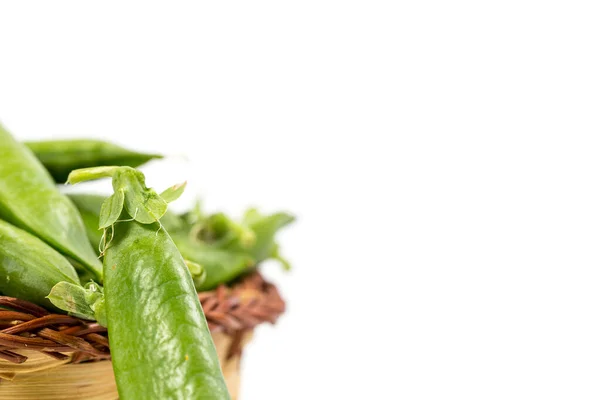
(30, 200)
(221, 266)
(255, 234)
(160, 343)
(29, 268)
(89, 207)
(60, 157)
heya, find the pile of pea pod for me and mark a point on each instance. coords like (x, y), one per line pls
(124, 260)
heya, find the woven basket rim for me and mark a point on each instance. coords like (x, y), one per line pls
(233, 310)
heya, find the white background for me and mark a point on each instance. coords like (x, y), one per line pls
(442, 158)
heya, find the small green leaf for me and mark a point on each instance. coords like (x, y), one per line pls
(174, 192)
(99, 308)
(145, 208)
(82, 302)
(141, 203)
(111, 209)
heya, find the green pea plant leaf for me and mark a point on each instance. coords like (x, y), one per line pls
(111, 209)
(142, 204)
(131, 196)
(85, 302)
(265, 228)
(174, 192)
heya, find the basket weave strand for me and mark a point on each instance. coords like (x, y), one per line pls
(231, 310)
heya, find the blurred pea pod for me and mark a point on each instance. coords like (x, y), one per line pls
(220, 266)
(29, 268)
(29, 199)
(160, 343)
(254, 235)
(60, 157)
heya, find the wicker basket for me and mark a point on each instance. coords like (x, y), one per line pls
(47, 356)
